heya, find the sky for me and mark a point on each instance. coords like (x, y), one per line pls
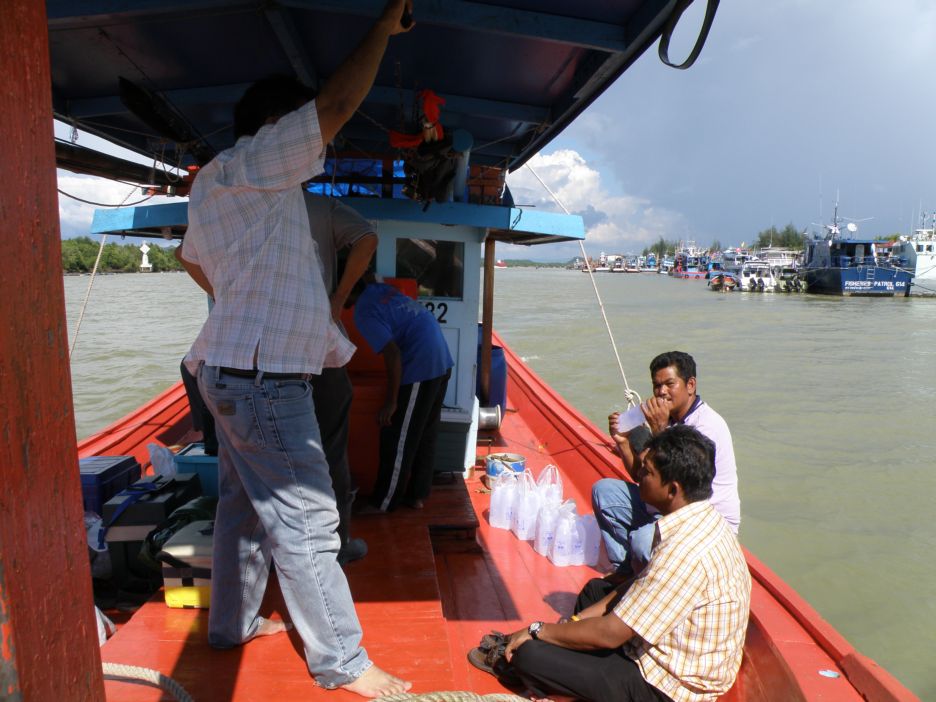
(791, 104)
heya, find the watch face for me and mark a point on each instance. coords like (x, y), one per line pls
(534, 629)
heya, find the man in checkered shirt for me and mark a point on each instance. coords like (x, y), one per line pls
(676, 631)
(270, 331)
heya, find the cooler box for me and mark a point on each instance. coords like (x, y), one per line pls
(186, 570)
(192, 459)
(134, 512)
(102, 477)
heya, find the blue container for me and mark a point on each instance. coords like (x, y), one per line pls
(497, 463)
(498, 388)
(102, 477)
(192, 459)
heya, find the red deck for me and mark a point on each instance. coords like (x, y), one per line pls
(436, 580)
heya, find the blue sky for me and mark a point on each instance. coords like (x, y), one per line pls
(790, 102)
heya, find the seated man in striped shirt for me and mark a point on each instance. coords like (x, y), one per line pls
(676, 631)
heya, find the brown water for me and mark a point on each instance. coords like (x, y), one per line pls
(829, 401)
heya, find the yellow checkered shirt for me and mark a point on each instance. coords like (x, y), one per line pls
(689, 608)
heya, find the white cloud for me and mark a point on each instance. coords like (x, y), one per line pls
(75, 216)
(615, 222)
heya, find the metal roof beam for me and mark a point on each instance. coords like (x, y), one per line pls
(74, 14)
(492, 19)
(379, 94)
(285, 30)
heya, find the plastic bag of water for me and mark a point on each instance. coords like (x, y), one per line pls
(503, 498)
(549, 486)
(526, 508)
(564, 540)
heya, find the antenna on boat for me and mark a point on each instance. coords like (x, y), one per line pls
(633, 398)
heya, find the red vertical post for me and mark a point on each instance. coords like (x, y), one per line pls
(49, 647)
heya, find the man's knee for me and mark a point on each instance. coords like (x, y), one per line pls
(531, 658)
(610, 494)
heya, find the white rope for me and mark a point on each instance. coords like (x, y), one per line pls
(633, 399)
(136, 674)
(97, 261)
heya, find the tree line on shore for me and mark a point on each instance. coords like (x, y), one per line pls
(790, 237)
(78, 256)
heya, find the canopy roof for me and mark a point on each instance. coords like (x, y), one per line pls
(513, 73)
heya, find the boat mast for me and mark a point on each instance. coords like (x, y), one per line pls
(49, 648)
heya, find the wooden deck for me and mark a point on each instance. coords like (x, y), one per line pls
(433, 583)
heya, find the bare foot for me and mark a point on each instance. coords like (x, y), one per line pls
(375, 682)
(268, 627)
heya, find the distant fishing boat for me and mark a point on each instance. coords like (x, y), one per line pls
(838, 265)
(500, 264)
(917, 254)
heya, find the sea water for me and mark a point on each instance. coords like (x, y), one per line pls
(829, 401)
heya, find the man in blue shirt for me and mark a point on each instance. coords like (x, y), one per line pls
(418, 368)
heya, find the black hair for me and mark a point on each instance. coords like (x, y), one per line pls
(638, 438)
(682, 454)
(273, 96)
(682, 361)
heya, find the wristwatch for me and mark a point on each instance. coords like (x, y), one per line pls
(534, 629)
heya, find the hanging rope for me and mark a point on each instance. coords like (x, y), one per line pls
(97, 261)
(136, 674)
(633, 399)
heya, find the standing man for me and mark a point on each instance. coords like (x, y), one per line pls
(334, 227)
(270, 330)
(418, 368)
(625, 520)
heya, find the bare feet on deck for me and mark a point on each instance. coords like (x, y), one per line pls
(268, 627)
(375, 682)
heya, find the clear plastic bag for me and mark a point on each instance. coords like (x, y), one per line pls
(592, 539)
(503, 498)
(163, 460)
(564, 541)
(549, 486)
(526, 508)
(546, 529)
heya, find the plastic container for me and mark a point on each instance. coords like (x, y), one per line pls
(192, 459)
(496, 463)
(102, 477)
(497, 395)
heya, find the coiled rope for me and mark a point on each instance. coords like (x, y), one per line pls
(633, 399)
(136, 674)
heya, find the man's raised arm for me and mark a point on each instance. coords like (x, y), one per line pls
(344, 91)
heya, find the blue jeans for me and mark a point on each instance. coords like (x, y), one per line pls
(627, 527)
(276, 504)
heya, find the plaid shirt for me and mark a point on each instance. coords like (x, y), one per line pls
(249, 233)
(689, 608)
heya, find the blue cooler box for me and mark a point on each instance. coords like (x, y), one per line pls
(192, 459)
(102, 477)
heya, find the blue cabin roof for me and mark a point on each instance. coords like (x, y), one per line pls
(513, 73)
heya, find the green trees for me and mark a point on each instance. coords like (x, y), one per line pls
(78, 256)
(786, 238)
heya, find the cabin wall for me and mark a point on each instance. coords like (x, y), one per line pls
(49, 648)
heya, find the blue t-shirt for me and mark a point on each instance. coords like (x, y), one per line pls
(383, 314)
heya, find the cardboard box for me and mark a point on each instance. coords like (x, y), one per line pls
(186, 569)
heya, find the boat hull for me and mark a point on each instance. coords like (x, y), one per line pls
(859, 281)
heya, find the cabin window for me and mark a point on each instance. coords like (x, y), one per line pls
(437, 266)
(919, 248)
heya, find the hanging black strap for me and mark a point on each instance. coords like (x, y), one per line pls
(700, 41)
